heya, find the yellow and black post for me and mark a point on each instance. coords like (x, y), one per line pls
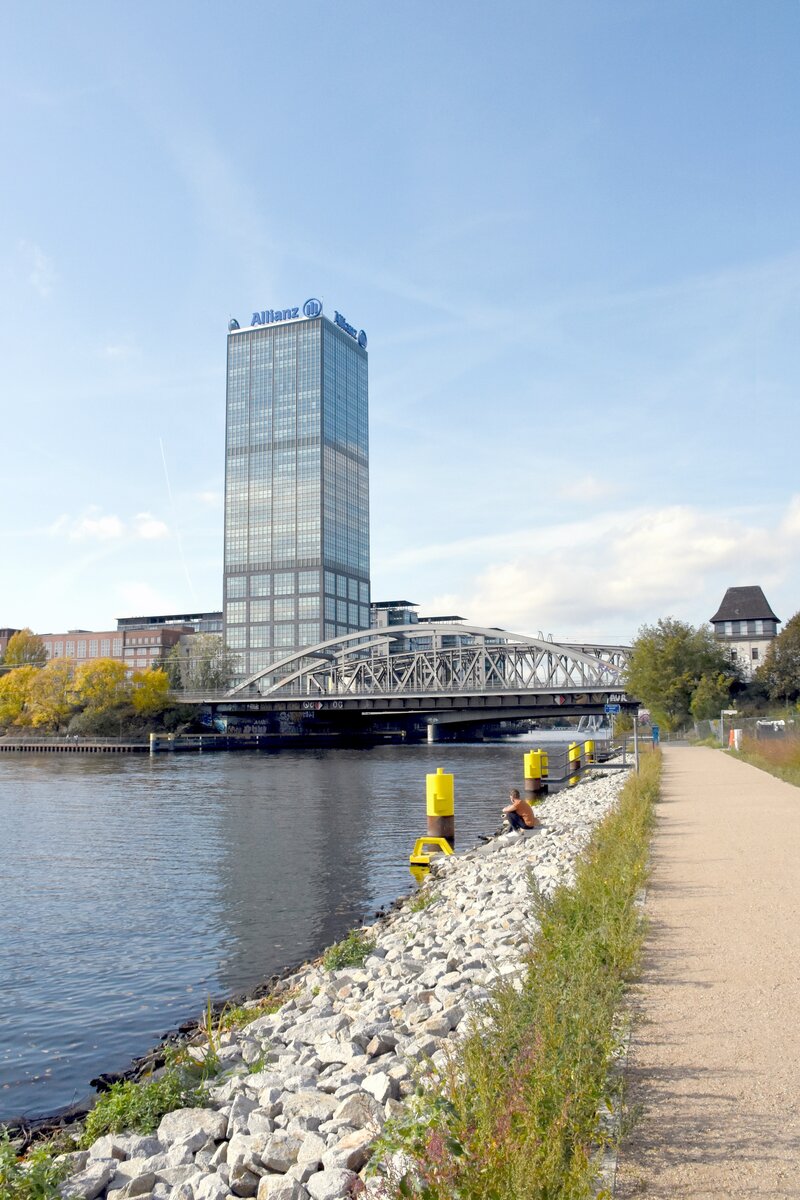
(440, 796)
(533, 784)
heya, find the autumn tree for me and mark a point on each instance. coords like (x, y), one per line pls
(25, 648)
(671, 663)
(150, 692)
(15, 696)
(780, 670)
(52, 695)
(102, 685)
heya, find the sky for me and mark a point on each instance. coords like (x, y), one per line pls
(570, 231)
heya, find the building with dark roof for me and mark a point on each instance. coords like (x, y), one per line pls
(746, 624)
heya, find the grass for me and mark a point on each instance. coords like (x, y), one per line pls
(350, 952)
(779, 756)
(422, 899)
(515, 1116)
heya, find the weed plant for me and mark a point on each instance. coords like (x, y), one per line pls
(350, 952)
(422, 899)
(515, 1116)
(779, 756)
(139, 1107)
(36, 1177)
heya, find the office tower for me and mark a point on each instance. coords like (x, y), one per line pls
(296, 484)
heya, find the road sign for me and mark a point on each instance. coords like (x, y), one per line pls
(612, 708)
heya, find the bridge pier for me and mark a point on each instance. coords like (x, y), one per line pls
(433, 732)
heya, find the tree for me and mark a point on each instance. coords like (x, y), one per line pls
(52, 695)
(780, 670)
(208, 667)
(150, 692)
(15, 696)
(668, 662)
(102, 684)
(25, 648)
(712, 694)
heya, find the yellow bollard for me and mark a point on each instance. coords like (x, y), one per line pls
(589, 748)
(532, 762)
(574, 758)
(440, 797)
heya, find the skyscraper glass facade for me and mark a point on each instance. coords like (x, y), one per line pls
(296, 489)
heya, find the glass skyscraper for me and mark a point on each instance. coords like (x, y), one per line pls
(296, 484)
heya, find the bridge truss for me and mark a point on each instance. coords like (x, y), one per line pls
(437, 659)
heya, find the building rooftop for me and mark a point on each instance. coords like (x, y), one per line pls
(394, 604)
(744, 604)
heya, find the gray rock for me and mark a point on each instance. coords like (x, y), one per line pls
(243, 1182)
(192, 1126)
(351, 1152)
(281, 1187)
(280, 1151)
(312, 1149)
(175, 1176)
(111, 1145)
(309, 1104)
(361, 1110)
(142, 1185)
(93, 1180)
(74, 1162)
(240, 1112)
(330, 1185)
(380, 1086)
(211, 1187)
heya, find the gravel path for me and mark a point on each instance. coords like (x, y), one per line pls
(715, 1056)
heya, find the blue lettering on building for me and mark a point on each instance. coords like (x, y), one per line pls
(270, 315)
(312, 307)
(358, 334)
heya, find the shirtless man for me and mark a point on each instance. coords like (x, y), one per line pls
(519, 813)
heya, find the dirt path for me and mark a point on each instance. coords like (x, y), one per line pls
(715, 1059)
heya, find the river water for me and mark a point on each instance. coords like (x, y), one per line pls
(133, 888)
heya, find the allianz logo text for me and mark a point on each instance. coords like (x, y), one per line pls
(268, 316)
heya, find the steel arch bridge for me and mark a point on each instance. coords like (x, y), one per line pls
(435, 665)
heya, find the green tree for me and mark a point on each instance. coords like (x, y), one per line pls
(780, 670)
(711, 695)
(24, 649)
(668, 662)
(209, 666)
(150, 693)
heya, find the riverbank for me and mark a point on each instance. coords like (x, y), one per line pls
(339, 1057)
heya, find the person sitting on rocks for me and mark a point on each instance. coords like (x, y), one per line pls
(519, 813)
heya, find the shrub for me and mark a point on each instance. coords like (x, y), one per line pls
(350, 952)
(35, 1177)
(139, 1106)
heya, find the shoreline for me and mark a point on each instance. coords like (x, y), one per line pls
(302, 1092)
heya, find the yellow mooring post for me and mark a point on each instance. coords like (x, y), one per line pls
(589, 748)
(440, 796)
(574, 758)
(533, 775)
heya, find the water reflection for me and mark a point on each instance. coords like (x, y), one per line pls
(131, 889)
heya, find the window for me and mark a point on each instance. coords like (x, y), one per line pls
(236, 612)
(363, 593)
(236, 587)
(308, 581)
(105, 647)
(259, 635)
(237, 637)
(117, 646)
(82, 648)
(70, 649)
(283, 608)
(341, 586)
(341, 612)
(759, 626)
(330, 583)
(260, 585)
(93, 648)
(352, 589)
(284, 583)
(754, 654)
(260, 610)
(284, 635)
(308, 607)
(309, 633)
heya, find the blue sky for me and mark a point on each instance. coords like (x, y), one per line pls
(570, 232)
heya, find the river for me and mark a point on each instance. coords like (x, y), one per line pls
(132, 889)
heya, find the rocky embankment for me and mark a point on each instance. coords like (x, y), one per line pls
(303, 1093)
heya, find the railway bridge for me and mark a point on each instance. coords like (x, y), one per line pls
(425, 677)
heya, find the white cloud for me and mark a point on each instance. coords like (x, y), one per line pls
(94, 525)
(619, 570)
(136, 597)
(149, 527)
(41, 271)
